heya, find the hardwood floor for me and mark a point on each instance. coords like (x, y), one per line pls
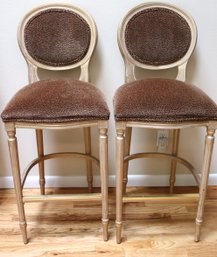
(73, 229)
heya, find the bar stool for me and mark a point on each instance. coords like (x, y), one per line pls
(156, 36)
(58, 37)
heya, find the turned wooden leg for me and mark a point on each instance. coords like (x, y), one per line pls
(87, 143)
(103, 154)
(175, 145)
(126, 152)
(204, 180)
(119, 181)
(12, 142)
(40, 147)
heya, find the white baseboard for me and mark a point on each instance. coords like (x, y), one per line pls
(80, 181)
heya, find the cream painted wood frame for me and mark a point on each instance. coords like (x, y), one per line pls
(39, 127)
(124, 130)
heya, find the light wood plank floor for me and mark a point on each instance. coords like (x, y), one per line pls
(67, 229)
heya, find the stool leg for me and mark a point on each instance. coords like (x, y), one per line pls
(204, 180)
(40, 147)
(12, 142)
(103, 154)
(87, 143)
(126, 152)
(119, 181)
(175, 146)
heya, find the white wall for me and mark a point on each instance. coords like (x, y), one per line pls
(107, 73)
